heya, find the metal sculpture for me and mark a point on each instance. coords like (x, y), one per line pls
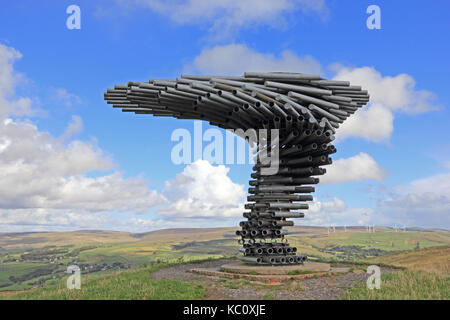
(302, 112)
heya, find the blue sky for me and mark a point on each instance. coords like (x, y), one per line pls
(122, 176)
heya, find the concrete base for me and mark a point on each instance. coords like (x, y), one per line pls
(307, 267)
(271, 274)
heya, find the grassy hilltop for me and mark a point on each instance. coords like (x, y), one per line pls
(427, 276)
(117, 265)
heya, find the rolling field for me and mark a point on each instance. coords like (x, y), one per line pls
(431, 260)
(31, 260)
(427, 276)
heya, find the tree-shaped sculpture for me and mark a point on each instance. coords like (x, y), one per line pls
(302, 112)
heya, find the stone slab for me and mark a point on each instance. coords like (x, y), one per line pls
(293, 269)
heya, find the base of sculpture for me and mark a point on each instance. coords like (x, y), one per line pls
(273, 275)
(307, 267)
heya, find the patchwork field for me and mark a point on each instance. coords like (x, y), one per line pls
(31, 260)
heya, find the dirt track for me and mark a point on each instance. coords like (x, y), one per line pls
(325, 288)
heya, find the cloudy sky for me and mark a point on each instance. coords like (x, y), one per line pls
(68, 161)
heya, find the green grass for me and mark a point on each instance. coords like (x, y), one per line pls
(17, 269)
(295, 272)
(131, 284)
(268, 296)
(232, 285)
(405, 285)
(355, 263)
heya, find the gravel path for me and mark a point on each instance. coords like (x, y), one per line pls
(325, 288)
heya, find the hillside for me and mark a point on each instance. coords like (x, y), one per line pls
(433, 259)
(140, 283)
(30, 260)
(427, 276)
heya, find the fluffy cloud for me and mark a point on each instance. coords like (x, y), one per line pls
(388, 95)
(424, 202)
(420, 203)
(76, 126)
(40, 219)
(47, 173)
(62, 96)
(203, 191)
(227, 16)
(336, 205)
(375, 122)
(10, 105)
(238, 58)
(45, 181)
(336, 213)
(397, 93)
(356, 168)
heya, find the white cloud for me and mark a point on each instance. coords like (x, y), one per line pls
(224, 17)
(396, 93)
(40, 219)
(8, 78)
(374, 122)
(335, 213)
(10, 105)
(203, 191)
(75, 127)
(46, 180)
(235, 59)
(388, 95)
(356, 168)
(336, 205)
(439, 184)
(422, 202)
(62, 96)
(46, 173)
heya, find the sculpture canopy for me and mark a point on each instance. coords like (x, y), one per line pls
(306, 110)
